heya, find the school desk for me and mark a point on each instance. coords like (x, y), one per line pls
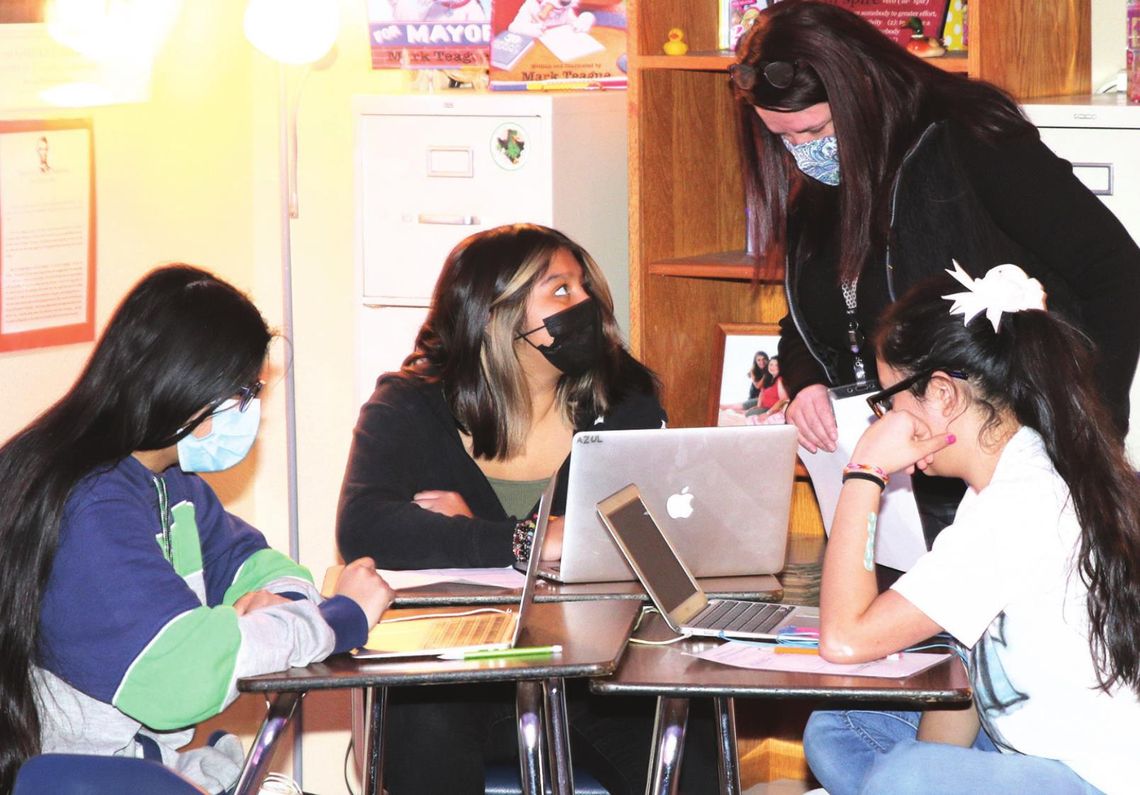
(592, 634)
(674, 675)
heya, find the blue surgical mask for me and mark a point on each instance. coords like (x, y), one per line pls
(819, 159)
(231, 435)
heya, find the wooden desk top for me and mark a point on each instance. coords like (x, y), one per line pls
(761, 588)
(592, 634)
(673, 671)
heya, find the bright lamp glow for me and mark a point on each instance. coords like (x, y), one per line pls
(292, 31)
(112, 30)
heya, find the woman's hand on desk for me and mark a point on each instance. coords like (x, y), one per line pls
(552, 543)
(813, 417)
(361, 583)
(449, 503)
(255, 600)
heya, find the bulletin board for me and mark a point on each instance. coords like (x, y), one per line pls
(47, 233)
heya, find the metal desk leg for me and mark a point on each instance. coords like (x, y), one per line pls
(374, 757)
(558, 732)
(528, 708)
(256, 765)
(668, 746)
(729, 765)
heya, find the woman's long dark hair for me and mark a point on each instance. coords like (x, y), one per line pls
(881, 99)
(478, 309)
(181, 340)
(761, 378)
(1041, 369)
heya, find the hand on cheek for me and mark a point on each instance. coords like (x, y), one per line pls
(900, 441)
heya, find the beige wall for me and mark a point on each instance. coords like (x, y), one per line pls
(192, 175)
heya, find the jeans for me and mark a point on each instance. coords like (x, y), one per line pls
(870, 751)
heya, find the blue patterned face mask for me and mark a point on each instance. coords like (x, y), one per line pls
(819, 159)
(232, 433)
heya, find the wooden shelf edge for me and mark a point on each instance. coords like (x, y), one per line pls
(704, 61)
(732, 265)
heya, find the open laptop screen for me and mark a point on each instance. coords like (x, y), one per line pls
(660, 567)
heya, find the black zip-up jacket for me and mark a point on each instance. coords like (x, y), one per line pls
(955, 197)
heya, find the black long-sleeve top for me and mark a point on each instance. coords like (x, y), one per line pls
(984, 205)
(406, 441)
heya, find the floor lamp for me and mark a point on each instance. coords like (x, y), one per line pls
(295, 33)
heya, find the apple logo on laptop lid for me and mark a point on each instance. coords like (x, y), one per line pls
(680, 505)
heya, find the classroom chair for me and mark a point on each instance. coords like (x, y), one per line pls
(78, 774)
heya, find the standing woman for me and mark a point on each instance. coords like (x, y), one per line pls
(519, 350)
(868, 169)
(130, 601)
(1038, 576)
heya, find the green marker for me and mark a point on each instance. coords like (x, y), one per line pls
(493, 654)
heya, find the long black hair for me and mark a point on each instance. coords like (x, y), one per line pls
(881, 99)
(181, 340)
(1040, 369)
(477, 311)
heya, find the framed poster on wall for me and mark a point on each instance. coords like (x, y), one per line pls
(47, 233)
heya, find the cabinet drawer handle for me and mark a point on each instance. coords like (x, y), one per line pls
(1097, 177)
(448, 220)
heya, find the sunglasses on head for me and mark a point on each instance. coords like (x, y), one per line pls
(881, 401)
(779, 74)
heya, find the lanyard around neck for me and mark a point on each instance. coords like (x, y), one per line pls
(855, 337)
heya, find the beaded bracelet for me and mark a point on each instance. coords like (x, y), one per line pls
(865, 476)
(874, 470)
(522, 539)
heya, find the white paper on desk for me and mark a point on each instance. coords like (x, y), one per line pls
(506, 577)
(899, 541)
(763, 658)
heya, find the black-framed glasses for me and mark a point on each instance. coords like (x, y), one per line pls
(779, 74)
(244, 396)
(881, 401)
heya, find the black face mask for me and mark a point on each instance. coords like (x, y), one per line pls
(577, 343)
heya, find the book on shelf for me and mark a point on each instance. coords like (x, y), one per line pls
(890, 17)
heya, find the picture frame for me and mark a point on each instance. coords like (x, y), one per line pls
(735, 347)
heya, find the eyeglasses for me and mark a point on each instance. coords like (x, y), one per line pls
(779, 74)
(244, 396)
(881, 401)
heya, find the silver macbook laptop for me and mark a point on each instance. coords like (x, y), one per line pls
(674, 591)
(723, 496)
(447, 634)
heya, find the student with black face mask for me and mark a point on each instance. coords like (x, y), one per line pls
(449, 457)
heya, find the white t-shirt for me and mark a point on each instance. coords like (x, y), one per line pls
(1002, 580)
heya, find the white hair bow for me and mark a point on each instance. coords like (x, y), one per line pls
(1004, 288)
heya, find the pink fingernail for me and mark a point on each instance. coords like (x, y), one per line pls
(951, 438)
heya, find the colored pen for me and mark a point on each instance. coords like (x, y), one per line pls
(795, 650)
(494, 654)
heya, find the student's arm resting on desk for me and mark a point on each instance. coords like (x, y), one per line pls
(405, 443)
(856, 622)
(119, 624)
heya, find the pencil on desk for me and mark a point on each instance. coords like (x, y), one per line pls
(796, 650)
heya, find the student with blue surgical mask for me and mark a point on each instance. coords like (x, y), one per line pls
(866, 169)
(130, 600)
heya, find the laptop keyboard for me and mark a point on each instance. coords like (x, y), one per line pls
(731, 615)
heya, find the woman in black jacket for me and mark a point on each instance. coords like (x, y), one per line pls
(868, 169)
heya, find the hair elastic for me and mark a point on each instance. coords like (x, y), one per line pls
(878, 481)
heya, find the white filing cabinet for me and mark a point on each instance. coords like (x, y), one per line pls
(1100, 136)
(433, 169)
